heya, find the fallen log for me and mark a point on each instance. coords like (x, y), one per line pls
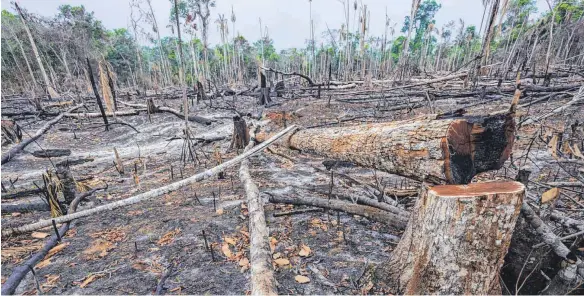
(429, 81)
(22, 193)
(567, 222)
(107, 114)
(450, 150)
(46, 153)
(360, 199)
(262, 272)
(310, 82)
(25, 207)
(6, 157)
(565, 184)
(158, 109)
(149, 194)
(296, 212)
(456, 240)
(388, 218)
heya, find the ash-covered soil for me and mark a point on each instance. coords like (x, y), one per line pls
(128, 250)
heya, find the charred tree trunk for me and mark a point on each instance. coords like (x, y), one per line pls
(449, 150)
(201, 96)
(264, 92)
(240, 137)
(96, 92)
(456, 240)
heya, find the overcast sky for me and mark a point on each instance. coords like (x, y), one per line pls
(287, 20)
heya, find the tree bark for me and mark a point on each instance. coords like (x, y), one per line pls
(262, 272)
(456, 240)
(240, 136)
(449, 150)
(264, 91)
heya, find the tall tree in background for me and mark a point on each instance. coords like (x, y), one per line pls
(49, 87)
(202, 8)
(406, 48)
(163, 64)
(489, 30)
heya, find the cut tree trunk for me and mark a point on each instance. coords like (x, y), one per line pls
(240, 136)
(264, 91)
(262, 272)
(456, 240)
(451, 150)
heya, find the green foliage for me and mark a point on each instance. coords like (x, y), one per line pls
(265, 48)
(423, 21)
(397, 47)
(569, 11)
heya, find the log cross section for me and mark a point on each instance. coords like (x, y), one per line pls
(451, 150)
(456, 240)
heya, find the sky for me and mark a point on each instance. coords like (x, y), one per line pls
(287, 22)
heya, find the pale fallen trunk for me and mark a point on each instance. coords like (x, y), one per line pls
(449, 150)
(456, 240)
(108, 114)
(149, 194)
(262, 272)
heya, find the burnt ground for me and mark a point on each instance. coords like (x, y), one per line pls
(128, 250)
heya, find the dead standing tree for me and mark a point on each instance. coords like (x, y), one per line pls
(264, 91)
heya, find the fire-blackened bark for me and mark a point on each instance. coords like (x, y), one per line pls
(240, 137)
(264, 91)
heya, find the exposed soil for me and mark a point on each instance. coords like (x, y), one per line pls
(128, 250)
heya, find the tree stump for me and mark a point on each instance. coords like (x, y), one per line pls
(200, 92)
(456, 240)
(240, 137)
(280, 87)
(67, 181)
(264, 91)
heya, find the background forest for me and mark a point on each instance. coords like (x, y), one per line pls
(42, 51)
